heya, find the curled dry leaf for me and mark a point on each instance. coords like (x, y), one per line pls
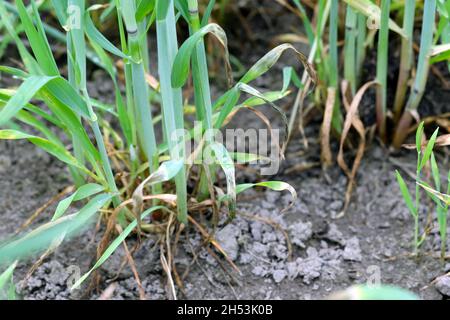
(266, 62)
(442, 120)
(273, 185)
(352, 120)
(165, 172)
(325, 155)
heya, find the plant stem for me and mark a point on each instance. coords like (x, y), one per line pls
(426, 42)
(416, 217)
(73, 33)
(382, 66)
(102, 150)
(333, 68)
(145, 134)
(360, 46)
(406, 59)
(350, 48)
(312, 54)
(78, 78)
(202, 94)
(171, 99)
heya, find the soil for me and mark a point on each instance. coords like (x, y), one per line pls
(373, 241)
(373, 238)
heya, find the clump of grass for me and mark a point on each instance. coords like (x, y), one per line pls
(423, 157)
(171, 97)
(406, 58)
(369, 25)
(126, 174)
(202, 91)
(423, 67)
(439, 194)
(363, 21)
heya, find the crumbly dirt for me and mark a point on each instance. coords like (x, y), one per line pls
(372, 242)
(373, 238)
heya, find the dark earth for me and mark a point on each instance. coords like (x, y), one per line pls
(372, 242)
(373, 238)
